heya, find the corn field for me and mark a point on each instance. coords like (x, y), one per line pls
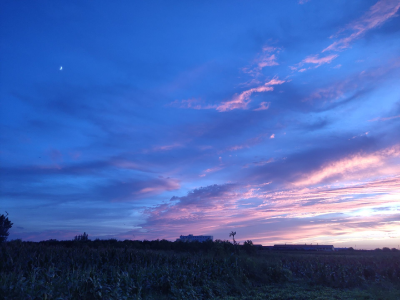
(42, 271)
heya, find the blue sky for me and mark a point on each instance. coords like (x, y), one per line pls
(279, 120)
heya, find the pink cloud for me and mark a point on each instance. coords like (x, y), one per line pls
(126, 164)
(215, 169)
(133, 190)
(216, 209)
(243, 99)
(272, 136)
(329, 200)
(164, 148)
(384, 119)
(167, 147)
(267, 61)
(378, 14)
(267, 58)
(249, 143)
(237, 147)
(351, 167)
(263, 106)
(158, 187)
(267, 48)
(332, 93)
(274, 81)
(354, 84)
(191, 104)
(314, 59)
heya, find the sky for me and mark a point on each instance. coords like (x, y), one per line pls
(279, 120)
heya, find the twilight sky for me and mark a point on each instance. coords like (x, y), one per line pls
(279, 120)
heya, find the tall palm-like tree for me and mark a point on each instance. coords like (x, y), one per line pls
(232, 234)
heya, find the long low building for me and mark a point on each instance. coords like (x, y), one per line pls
(192, 238)
(304, 247)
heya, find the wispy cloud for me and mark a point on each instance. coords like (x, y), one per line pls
(331, 93)
(355, 85)
(259, 163)
(122, 191)
(384, 119)
(214, 209)
(167, 147)
(351, 167)
(267, 58)
(191, 104)
(315, 60)
(378, 14)
(215, 169)
(263, 106)
(242, 100)
(318, 61)
(249, 143)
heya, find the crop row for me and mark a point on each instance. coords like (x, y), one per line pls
(37, 271)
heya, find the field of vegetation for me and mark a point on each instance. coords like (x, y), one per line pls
(177, 270)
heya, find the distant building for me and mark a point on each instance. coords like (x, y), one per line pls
(192, 238)
(258, 246)
(304, 247)
(342, 249)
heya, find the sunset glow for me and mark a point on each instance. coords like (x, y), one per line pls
(279, 120)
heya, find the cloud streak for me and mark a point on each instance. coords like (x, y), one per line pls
(267, 58)
(384, 119)
(242, 100)
(314, 60)
(378, 14)
(217, 208)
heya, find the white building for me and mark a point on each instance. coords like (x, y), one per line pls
(192, 238)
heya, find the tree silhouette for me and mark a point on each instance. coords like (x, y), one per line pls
(232, 234)
(83, 237)
(249, 247)
(5, 225)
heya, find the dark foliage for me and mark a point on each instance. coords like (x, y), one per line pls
(5, 226)
(249, 247)
(111, 269)
(82, 237)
